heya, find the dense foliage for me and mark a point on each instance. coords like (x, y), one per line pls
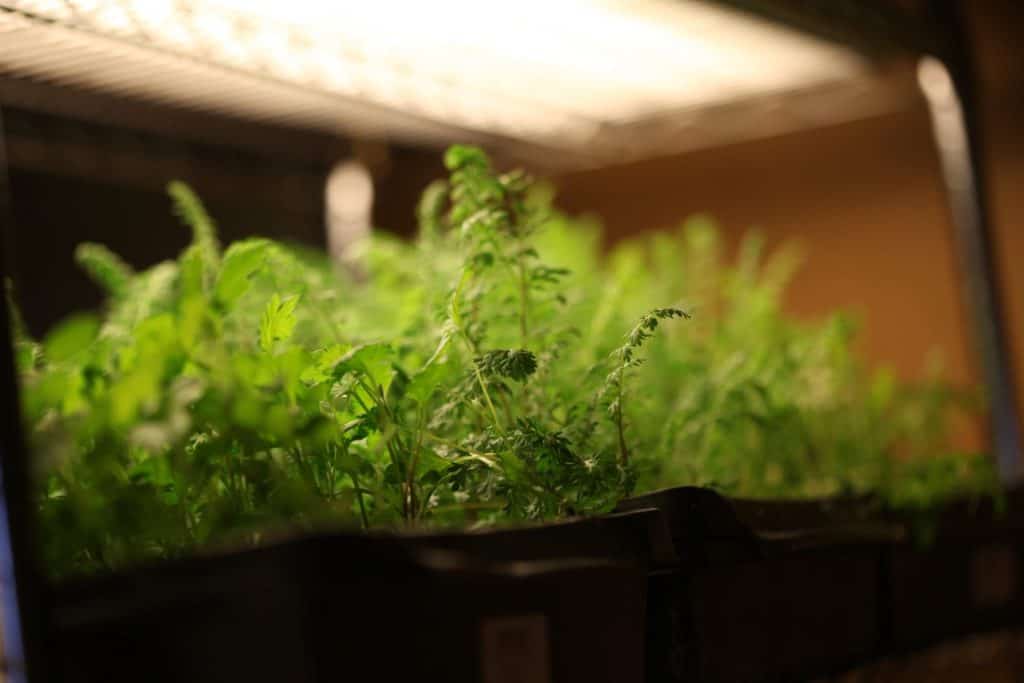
(498, 367)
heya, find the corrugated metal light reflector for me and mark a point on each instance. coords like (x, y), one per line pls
(556, 73)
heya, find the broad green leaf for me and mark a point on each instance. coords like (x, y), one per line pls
(350, 462)
(248, 412)
(134, 394)
(323, 363)
(191, 317)
(253, 370)
(71, 337)
(46, 392)
(157, 337)
(460, 156)
(291, 364)
(319, 432)
(424, 383)
(279, 422)
(278, 321)
(241, 261)
(373, 360)
(74, 399)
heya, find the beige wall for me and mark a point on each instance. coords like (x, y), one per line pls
(865, 200)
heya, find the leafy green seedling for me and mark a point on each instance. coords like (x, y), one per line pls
(490, 370)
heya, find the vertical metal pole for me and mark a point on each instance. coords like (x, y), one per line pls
(20, 582)
(948, 87)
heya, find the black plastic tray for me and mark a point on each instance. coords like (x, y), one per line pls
(967, 577)
(769, 590)
(348, 607)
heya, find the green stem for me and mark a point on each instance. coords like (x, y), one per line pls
(456, 319)
(305, 467)
(524, 307)
(510, 416)
(410, 475)
(425, 499)
(359, 497)
(619, 427)
(524, 299)
(487, 396)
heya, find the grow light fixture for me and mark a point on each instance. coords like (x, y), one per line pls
(559, 73)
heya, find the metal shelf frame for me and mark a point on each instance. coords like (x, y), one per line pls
(959, 138)
(936, 31)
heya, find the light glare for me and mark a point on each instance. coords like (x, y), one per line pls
(553, 71)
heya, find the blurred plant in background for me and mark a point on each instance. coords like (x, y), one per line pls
(501, 366)
(752, 401)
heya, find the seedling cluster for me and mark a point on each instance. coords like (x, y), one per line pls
(500, 367)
